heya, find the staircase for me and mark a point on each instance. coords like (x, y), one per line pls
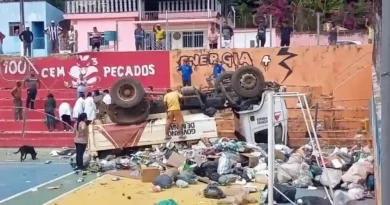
(343, 123)
(36, 133)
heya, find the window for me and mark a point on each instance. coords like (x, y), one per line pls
(14, 28)
(103, 42)
(193, 39)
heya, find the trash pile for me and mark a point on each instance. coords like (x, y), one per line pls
(221, 162)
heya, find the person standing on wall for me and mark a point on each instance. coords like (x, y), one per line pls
(96, 38)
(139, 34)
(17, 98)
(72, 39)
(217, 70)
(261, 34)
(172, 103)
(53, 31)
(185, 71)
(2, 36)
(285, 34)
(332, 34)
(370, 31)
(227, 34)
(213, 38)
(160, 35)
(27, 38)
(33, 84)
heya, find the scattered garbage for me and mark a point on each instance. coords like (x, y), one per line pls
(223, 162)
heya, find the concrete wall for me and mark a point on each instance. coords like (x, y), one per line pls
(343, 72)
(34, 12)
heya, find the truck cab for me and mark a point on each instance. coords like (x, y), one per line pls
(253, 123)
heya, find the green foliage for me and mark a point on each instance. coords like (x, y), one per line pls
(60, 4)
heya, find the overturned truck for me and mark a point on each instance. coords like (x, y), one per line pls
(236, 107)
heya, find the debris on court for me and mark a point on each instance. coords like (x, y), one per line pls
(54, 187)
(223, 162)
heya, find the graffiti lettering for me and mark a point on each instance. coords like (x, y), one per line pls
(120, 71)
(230, 59)
(15, 67)
(21, 67)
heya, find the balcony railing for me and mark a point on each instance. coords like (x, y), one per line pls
(180, 6)
(180, 9)
(100, 6)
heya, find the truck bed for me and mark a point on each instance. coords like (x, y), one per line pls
(111, 136)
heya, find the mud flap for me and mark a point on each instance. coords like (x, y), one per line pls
(123, 136)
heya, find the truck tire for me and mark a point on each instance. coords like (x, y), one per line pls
(248, 82)
(129, 116)
(225, 78)
(127, 92)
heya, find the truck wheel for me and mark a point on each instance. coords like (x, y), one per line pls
(225, 78)
(127, 92)
(188, 90)
(129, 116)
(248, 82)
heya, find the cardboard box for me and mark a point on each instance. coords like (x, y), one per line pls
(148, 174)
(250, 158)
(176, 160)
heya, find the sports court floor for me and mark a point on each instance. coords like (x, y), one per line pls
(27, 182)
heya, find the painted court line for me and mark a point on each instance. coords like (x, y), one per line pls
(21, 163)
(36, 187)
(68, 192)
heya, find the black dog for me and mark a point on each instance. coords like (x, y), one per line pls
(24, 150)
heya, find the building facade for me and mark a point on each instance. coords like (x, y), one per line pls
(38, 15)
(186, 22)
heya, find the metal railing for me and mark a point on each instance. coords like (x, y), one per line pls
(100, 6)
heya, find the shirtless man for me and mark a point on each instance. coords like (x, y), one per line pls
(17, 99)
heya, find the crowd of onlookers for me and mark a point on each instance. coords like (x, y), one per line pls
(93, 104)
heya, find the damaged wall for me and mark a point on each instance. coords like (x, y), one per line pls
(337, 70)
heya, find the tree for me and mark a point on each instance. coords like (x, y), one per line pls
(279, 9)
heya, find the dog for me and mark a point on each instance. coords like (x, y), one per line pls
(24, 150)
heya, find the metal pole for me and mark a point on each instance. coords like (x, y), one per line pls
(116, 45)
(270, 30)
(166, 30)
(318, 28)
(22, 26)
(385, 95)
(271, 145)
(208, 9)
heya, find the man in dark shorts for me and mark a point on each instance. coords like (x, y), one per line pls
(261, 34)
(32, 83)
(285, 34)
(186, 72)
(17, 96)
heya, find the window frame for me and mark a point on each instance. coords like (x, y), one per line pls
(103, 41)
(11, 28)
(192, 35)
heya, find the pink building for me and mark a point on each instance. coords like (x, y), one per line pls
(187, 22)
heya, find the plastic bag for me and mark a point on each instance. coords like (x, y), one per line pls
(289, 192)
(305, 177)
(167, 202)
(313, 200)
(334, 177)
(287, 172)
(356, 193)
(212, 191)
(342, 198)
(164, 181)
(224, 164)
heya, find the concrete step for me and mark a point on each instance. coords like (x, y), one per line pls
(330, 142)
(39, 103)
(37, 134)
(345, 124)
(340, 134)
(30, 125)
(42, 93)
(333, 112)
(8, 114)
(36, 142)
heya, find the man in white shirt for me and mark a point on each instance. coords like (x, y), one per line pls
(90, 108)
(78, 107)
(107, 97)
(65, 111)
